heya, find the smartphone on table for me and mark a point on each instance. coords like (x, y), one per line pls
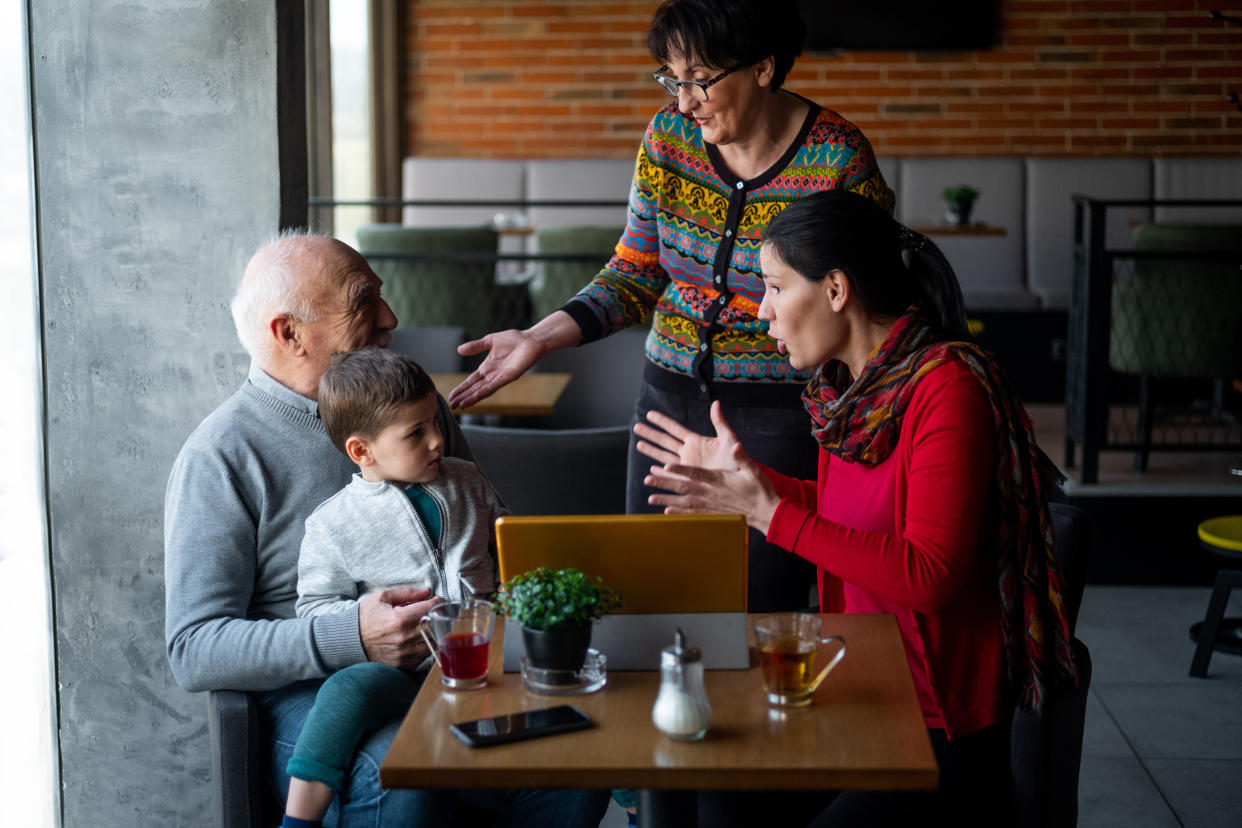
(527, 724)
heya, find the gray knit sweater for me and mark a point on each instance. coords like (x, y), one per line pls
(234, 512)
(368, 536)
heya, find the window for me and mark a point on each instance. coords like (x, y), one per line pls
(28, 788)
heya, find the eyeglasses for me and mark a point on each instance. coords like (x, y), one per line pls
(697, 89)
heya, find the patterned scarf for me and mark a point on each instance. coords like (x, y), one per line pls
(860, 422)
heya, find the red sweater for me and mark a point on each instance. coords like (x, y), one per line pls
(915, 535)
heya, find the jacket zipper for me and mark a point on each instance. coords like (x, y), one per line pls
(437, 554)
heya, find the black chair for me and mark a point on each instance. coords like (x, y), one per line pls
(554, 471)
(434, 347)
(1046, 754)
(606, 377)
(1046, 749)
(240, 797)
(1073, 531)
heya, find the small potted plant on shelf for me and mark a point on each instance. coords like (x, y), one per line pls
(556, 608)
(961, 200)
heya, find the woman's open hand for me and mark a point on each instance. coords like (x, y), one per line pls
(510, 354)
(671, 442)
(711, 475)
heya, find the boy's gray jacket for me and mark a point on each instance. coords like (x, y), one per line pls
(368, 536)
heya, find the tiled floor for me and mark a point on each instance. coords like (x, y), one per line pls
(1182, 472)
(1161, 749)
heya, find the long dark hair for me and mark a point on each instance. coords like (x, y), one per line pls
(721, 33)
(840, 230)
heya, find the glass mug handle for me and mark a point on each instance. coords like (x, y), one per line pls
(836, 659)
(422, 628)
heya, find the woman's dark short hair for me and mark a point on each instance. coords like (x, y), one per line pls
(722, 33)
(363, 391)
(840, 230)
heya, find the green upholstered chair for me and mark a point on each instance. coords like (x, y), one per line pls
(1175, 317)
(435, 291)
(555, 282)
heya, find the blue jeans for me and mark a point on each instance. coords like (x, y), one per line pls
(350, 704)
(364, 803)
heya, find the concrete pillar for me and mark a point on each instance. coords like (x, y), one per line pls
(157, 175)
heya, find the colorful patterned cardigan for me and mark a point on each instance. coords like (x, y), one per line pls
(670, 261)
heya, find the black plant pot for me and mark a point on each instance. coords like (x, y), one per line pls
(958, 213)
(557, 649)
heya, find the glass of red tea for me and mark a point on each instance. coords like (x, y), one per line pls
(458, 633)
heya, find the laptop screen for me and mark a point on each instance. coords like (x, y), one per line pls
(658, 563)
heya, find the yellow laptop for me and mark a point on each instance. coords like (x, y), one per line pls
(671, 571)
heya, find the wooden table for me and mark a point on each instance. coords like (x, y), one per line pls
(528, 395)
(863, 731)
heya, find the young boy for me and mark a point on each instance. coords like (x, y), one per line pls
(410, 517)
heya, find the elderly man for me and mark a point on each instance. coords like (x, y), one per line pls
(238, 495)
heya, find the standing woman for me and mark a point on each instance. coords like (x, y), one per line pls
(714, 168)
(930, 501)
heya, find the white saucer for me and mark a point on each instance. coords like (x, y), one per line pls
(591, 677)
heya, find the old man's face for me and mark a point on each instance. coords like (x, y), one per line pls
(352, 313)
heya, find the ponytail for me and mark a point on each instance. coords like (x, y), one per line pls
(941, 302)
(840, 230)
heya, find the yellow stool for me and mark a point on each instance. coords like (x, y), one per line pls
(1220, 536)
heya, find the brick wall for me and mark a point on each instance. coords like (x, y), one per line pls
(540, 78)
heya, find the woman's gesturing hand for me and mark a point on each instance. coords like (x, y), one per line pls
(711, 475)
(510, 354)
(671, 442)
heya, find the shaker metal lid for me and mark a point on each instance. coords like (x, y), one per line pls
(679, 653)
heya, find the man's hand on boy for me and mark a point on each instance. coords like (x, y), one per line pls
(388, 622)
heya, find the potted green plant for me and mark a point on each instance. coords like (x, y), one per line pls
(961, 200)
(555, 608)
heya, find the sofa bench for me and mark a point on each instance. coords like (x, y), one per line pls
(1018, 283)
(1029, 268)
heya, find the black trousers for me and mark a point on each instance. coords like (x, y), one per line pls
(779, 438)
(974, 791)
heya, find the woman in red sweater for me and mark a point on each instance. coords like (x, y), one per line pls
(930, 501)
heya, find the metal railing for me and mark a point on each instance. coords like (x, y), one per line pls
(475, 256)
(324, 201)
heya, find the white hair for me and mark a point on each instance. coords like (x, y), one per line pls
(269, 287)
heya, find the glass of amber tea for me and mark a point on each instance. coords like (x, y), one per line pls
(789, 645)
